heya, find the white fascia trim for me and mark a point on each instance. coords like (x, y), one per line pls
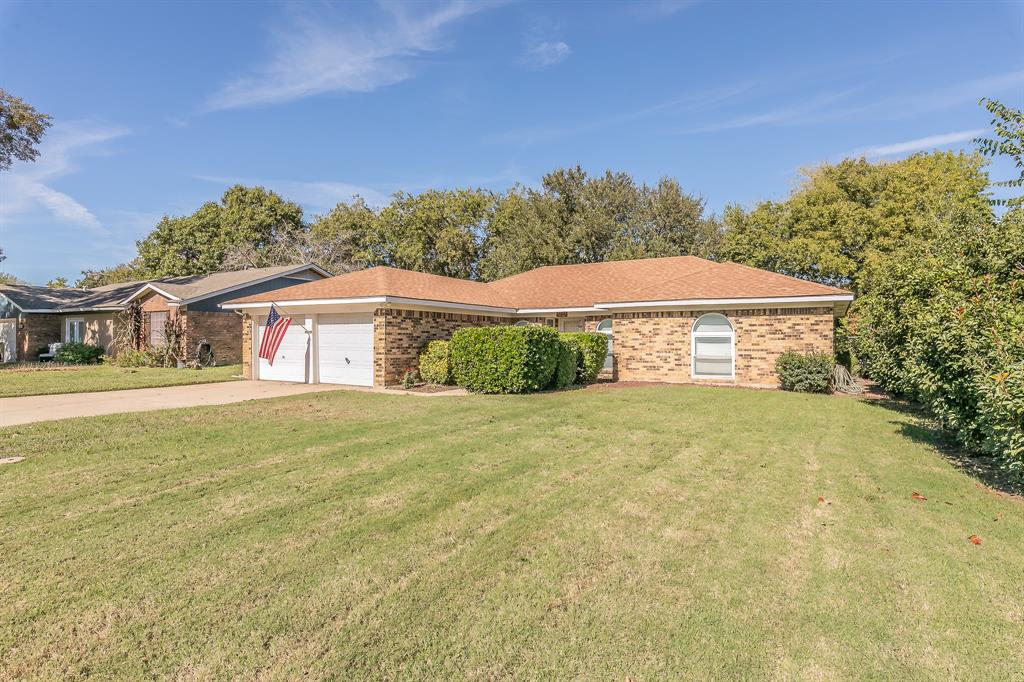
(299, 268)
(153, 288)
(312, 301)
(61, 311)
(830, 298)
(542, 311)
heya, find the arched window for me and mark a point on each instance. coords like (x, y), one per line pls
(521, 323)
(713, 348)
(605, 327)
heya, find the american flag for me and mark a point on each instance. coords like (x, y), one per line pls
(273, 334)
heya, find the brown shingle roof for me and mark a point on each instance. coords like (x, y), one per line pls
(564, 286)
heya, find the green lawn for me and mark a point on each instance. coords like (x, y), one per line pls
(642, 533)
(105, 378)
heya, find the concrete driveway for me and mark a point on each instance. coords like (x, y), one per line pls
(38, 408)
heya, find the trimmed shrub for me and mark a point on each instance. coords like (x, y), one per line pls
(591, 349)
(435, 362)
(565, 370)
(504, 359)
(79, 353)
(805, 373)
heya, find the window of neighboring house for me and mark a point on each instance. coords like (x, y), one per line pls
(74, 330)
(713, 348)
(156, 329)
(521, 323)
(605, 327)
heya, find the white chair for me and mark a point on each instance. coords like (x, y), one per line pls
(51, 353)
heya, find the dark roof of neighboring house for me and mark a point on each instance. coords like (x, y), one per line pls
(199, 286)
(679, 278)
(114, 296)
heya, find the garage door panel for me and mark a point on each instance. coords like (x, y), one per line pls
(291, 359)
(346, 349)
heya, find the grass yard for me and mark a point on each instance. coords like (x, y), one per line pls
(642, 533)
(105, 378)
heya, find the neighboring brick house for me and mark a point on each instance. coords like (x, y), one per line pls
(682, 319)
(34, 317)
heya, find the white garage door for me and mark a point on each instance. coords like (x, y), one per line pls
(291, 359)
(346, 349)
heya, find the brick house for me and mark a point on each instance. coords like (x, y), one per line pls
(681, 319)
(32, 317)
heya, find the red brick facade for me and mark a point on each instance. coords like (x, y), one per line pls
(221, 331)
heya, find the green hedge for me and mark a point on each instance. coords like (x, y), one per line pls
(565, 370)
(805, 373)
(435, 362)
(79, 353)
(591, 349)
(504, 359)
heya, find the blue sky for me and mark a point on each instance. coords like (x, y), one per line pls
(158, 107)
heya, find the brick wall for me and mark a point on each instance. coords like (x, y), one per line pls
(246, 349)
(35, 330)
(398, 336)
(222, 330)
(655, 346)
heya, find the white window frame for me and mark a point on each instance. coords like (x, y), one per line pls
(694, 335)
(609, 357)
(68, 321)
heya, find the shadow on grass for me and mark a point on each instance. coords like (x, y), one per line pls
(923, 429)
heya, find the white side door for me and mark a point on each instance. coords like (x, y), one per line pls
(292, 358)
(345, 349)
(8, 340)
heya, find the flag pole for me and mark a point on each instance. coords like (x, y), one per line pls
(281, 308)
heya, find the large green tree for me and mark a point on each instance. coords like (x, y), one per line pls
(576, 218)
(437, 231)
(250, 219)
(844, 214)
(21, 129)
(117, 274)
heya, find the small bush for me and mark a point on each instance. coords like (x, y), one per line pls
(435, 362)
(805, 373)
(565, 370)
(131, 357)
(504, 359)
(411, 378)
(591, 349)
(79, 354)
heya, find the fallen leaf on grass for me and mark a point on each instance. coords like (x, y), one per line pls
(975, 540)
(917, 496)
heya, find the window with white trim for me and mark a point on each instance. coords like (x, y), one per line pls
(157, 323)
(713, 348)
(521, 323)
(605, 327)
(74, 330)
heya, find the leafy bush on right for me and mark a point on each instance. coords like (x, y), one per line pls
(504, 359)
(435, 362)
(591, 349)
(805, 373)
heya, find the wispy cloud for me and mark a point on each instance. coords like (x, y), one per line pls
(318, 195)
(319, 52)
(547, 53)
(812, 110)
(661, 8)
(930, 142)
(685, 103)
(28, 185)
